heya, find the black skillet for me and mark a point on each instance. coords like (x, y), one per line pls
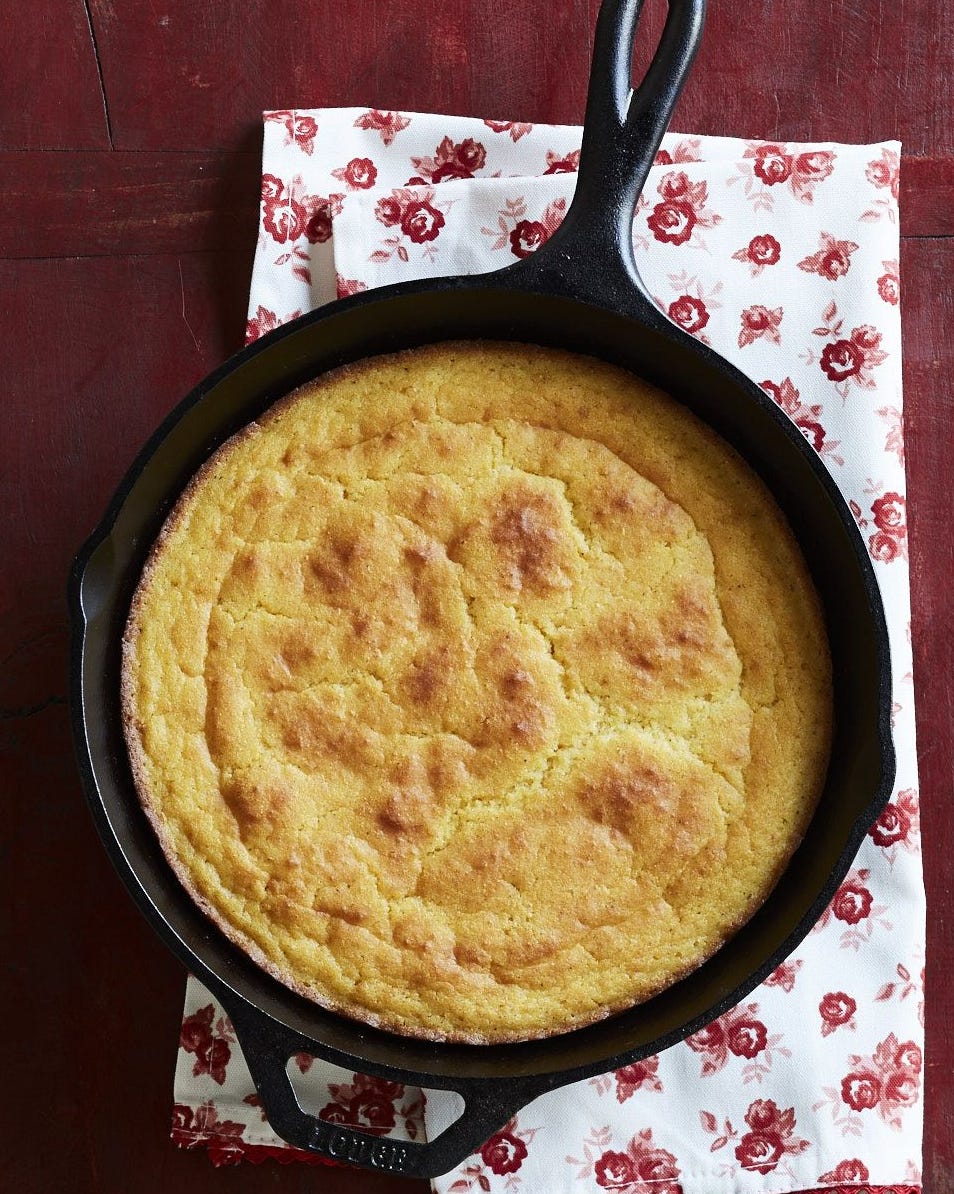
(581, 292)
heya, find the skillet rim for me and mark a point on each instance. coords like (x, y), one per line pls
(107, 527)
(505, 1091)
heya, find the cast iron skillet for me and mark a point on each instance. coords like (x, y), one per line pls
(579, 292)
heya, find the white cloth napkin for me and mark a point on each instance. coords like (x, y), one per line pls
(785, 259)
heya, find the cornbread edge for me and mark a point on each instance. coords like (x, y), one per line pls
(137, 752)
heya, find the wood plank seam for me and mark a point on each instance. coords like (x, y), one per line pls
(99, 72)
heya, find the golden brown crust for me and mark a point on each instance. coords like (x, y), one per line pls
(477, 692)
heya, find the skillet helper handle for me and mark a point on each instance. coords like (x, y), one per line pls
(267, 1048)
(590, 256)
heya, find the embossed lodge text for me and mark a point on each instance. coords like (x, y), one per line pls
(344, 1146)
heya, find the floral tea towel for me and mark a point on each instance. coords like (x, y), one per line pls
(784, 258)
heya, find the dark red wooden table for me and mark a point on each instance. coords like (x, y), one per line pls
(129, 154)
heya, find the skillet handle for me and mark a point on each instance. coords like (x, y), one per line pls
(590, 256)
(267, 1047)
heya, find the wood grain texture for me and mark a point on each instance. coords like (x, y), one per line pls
(120, 203)
(850, 70)
(219, 65)
(927, 191)
(125, 276)
(927, 270)
(846, 70)
(50, 93)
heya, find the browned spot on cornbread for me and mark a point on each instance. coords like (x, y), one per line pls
(525, 527)
(477, 692)
(413, 797)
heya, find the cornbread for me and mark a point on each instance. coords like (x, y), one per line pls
(477, 692)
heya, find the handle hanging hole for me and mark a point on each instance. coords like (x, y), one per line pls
(645, 44)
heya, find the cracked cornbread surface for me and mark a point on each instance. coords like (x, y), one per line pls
(477, 692)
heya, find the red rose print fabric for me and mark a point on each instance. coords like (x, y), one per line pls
(216, 1106)
(784, 258)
